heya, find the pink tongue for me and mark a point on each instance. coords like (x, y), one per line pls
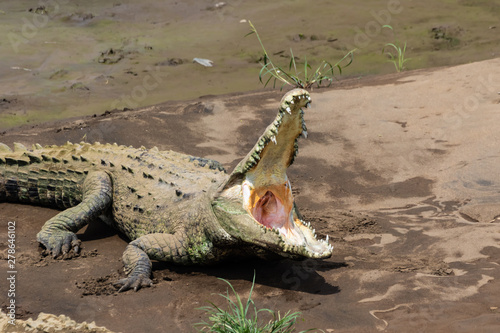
(269, 211)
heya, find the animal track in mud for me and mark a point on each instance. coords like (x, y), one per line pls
(428, 208)
(340, 224)
(99, 285)
(420, 265)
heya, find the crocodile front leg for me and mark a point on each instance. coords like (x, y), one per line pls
(177, 248)
(58, 233)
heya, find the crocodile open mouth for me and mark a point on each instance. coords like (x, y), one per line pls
(260, 179)
(272, 207)
(269, 211)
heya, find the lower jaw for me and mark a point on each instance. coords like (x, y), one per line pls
(292, 236)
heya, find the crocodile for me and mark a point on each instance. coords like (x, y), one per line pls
(172, 207)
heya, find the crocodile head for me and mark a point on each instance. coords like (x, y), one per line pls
(256, 205)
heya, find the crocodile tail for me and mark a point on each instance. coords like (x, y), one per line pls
(27, 177)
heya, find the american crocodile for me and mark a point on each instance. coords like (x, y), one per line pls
(173, 207)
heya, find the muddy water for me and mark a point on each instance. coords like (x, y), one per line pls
(62, 59)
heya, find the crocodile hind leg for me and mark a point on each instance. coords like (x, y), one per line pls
(158, 246)
(58, 233)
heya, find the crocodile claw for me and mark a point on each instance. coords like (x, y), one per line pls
(59, 242)
(135, 282)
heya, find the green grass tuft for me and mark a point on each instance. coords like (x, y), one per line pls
(244, 317)
(396, 53)
(306, 78)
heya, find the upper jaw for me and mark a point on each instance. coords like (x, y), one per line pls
(279, 139)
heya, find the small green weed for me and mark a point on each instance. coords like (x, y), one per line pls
(325, 72)
(244, 317)
(396, 54)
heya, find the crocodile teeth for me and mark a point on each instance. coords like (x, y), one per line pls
(326, 238)
(291, 102)
(19, 147)
(4, 148)
(288, 110)
(273, 139)
(304, 133)
(308, 105)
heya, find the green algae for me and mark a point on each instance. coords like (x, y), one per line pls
(43, 63)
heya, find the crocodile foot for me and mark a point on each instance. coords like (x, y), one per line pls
(59, 241)
(135, 282)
